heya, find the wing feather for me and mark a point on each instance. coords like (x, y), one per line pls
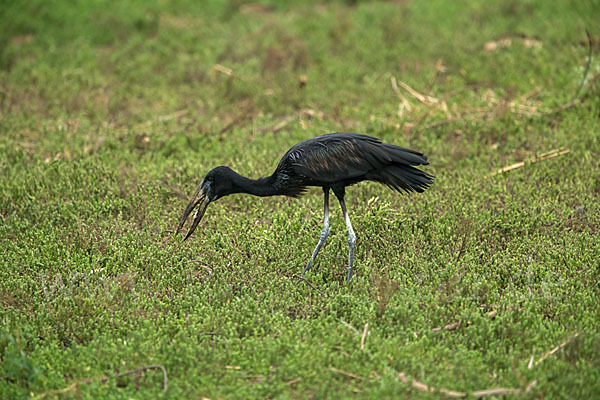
(350, 157)
(333, 158)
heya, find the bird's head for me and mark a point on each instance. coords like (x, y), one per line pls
(217, 183)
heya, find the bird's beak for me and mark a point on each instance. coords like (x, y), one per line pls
(200, 198)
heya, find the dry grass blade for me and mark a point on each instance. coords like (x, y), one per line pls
(345, 373)
(280, 125)
(587, 65)
(457, 395)
(549, 353)
(515, 106)
(364, 336)
(533, 160)
(449, 327)
(452, 393)
(174, 115)
(222, 69)
(531, 94)
(353, 329)
(403, 99)
(307, 282)
(496, 392)
(430, 389)
(293, 381)
(421, 97)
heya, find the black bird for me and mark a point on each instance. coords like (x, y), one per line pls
(331, 161)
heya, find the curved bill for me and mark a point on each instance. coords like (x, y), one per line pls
(199, 199)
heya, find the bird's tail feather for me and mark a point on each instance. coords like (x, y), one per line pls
(399, 173)
(407, 178)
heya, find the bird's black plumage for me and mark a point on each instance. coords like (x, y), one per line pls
(348, 158)
(333, 161)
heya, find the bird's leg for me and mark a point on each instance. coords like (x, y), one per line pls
(324, 232)
(351, 238)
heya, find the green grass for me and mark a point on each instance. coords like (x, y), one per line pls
(110, 115)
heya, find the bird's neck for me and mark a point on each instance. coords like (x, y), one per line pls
(257, 187)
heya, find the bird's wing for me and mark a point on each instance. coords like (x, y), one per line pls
(336, 157)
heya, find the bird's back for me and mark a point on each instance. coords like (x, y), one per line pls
(348, 158)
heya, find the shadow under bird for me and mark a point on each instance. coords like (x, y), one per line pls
(331, 161)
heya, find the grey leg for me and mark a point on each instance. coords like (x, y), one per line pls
(351, 239)
(324, 232)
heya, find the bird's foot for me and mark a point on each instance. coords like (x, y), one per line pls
(307, 268)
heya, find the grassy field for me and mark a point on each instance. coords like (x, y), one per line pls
(111, 114)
